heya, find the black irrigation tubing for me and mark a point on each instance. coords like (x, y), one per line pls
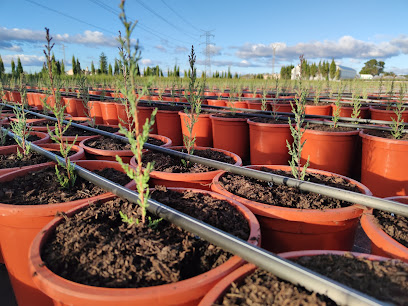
(268, 261)
(340, 194)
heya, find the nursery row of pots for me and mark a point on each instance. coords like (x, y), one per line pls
(337, 227)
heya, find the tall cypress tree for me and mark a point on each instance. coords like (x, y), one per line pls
(110, 69)
(78, 67)
(103, 63)
(332, 70)
(19, 67)
(13, 68)
(1, 67)
(116, 70)
(74, 68)
(137, 70)
(92, 68)
(62, 67)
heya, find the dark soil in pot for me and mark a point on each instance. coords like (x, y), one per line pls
(107, 143)
(284, 196)
(385, 134)
(41, 187)
(269, 120)
(33, 158)
(395, 226)
(101, 250)
(11, 142)
(329, 128)
(73, 131)
(384, 280)
(172, 164)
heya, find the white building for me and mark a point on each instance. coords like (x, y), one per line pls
(345, 73)
(366, 76)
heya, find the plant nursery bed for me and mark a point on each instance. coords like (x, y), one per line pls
(74, 131)
(269, 120)
(395, 226)
(102, 250)
(172, 164)
(11, 142)
(107, 143)
(284, 196)
(43, 187)
(384, 280)
(385, 134)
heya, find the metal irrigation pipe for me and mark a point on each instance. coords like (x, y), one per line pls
(268, 261)
(340, 194)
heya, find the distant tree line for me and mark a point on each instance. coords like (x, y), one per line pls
(324, 69)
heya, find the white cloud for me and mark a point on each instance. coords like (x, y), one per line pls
(180, 49)
(345, 47)
(226, 63)
(214, 50)
(26, 60)
(90, 38)
(161, 48)
(146, 61)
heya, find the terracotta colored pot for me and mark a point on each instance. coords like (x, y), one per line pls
(186, 292)
(236, 104)
(126, 155)
(143, 113)
(268, 143)
(331, 151)
(19, 224)
(381, 243)
(347, 111)
(231, 134)
(75, 107)
(169, 125)
(94, 108)
(95, 92)
(80, 154)
(213, 102)
(109, 113)
(38, 100)
(187, 180)
(216, 294)
(30, 98)
(386, 115)
(15, 97)
(202, 129)
(37, 127)
(45, 138)
(257, 105)
(51, 101)
(322, 110)
(290, 229)
(281, 107)
(122, 116)
(384, 165)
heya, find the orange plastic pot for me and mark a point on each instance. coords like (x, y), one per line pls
(186, 292)
(322, 110)
(187, 180)
(213, 102)
(347, 111)
(257, 105)
(75, 107)
(15, 97)
(384, 165)
(80, 154)
(231, 134)
(281, 107)
(169, 125)
(30, 98)
(381, 243)
(236, 104)
(126, 155)
(291, 229)
(202, 130)
(386, 115)
(19, 224)
(109, 113)
(51, 101)
(143, 113)
(217, 293)
(268, 143)
(94, 108)
(122, 115)
(38, 100)
(331, 151)
(95, 92)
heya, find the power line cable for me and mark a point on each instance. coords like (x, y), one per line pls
(180, 16)
(164, 19)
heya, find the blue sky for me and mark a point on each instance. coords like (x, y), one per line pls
(245, 32)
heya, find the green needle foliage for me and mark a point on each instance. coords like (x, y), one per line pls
(356, 106)
(129, 59)
(68, 177)
(20, 127)
(3, 131)
(194, 99)
(337, 103)
(295, 149)
(397, 124)
(83, 93)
